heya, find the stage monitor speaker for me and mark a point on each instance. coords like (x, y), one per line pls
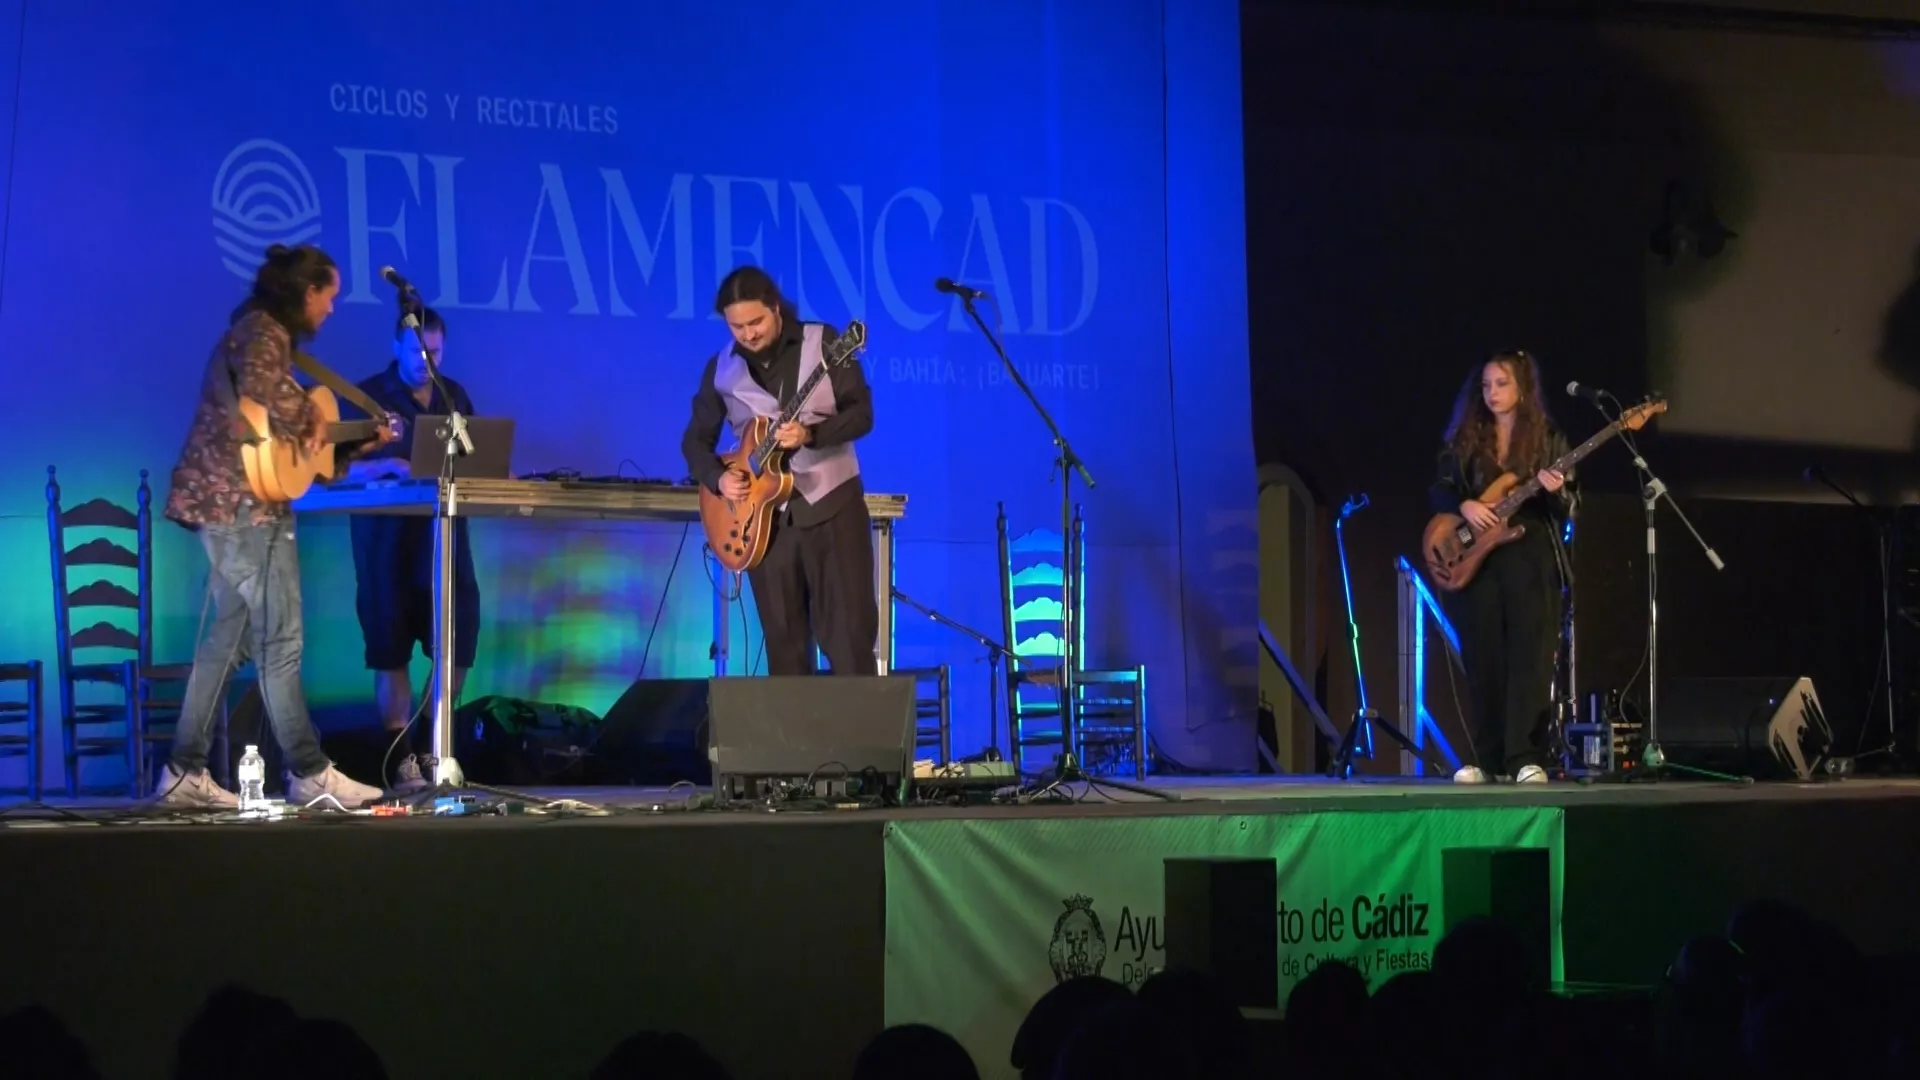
(1770, 725)
(832, 729)
(1512, 886)
(655, 735)
(1220, 921)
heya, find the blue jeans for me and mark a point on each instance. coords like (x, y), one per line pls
(254, 579)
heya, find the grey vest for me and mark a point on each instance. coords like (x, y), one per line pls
(815, 471)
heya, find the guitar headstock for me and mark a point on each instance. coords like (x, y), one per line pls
(848, 344)
(1637, 417)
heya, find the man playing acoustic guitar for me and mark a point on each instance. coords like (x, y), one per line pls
(254, 579)
(815, 582)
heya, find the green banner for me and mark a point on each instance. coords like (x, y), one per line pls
(983, 916)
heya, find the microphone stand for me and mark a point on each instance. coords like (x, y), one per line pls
(1883, 536)
(1358, 741)
(447, 775)
(995, 651)
(1652, 758)
(1066, 465)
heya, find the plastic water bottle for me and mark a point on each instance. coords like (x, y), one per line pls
(253, 780)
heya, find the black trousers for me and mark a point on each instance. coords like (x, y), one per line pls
(816, 585)
(1508, 619)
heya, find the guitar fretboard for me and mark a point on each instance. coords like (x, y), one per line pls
(845, 346)
(1568, 460)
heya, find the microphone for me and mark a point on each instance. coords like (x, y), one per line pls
(948, 285)
(394, 279)
(1582, 390)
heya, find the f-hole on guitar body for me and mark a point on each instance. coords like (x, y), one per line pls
(738, 530)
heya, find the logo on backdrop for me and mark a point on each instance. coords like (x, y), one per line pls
(1379, 935)
(262, 195)
(592, 243)
(1079, 945)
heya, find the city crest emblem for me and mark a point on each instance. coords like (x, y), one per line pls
(1079, 945)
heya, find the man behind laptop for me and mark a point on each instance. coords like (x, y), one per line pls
(393, 556)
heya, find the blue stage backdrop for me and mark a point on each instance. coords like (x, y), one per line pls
(568, 184)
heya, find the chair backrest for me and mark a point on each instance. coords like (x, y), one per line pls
(1031, 584)
(123, 543)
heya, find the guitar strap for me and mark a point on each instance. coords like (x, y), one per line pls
(326, 377)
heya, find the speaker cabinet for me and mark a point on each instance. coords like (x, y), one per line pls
(655, 735)
(1220, 921)
(844, 733)
(1513, 886)
(1760, 727)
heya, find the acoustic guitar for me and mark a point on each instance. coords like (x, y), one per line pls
(738, 530)
(280, 470)
(1455, 550)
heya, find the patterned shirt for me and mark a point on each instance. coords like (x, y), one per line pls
(253, 359)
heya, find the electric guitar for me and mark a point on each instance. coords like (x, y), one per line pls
(738, 530)
(1454, 550)
(280, 470)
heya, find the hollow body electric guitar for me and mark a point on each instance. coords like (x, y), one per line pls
(738, 529)
(280, 470)
(1454, 550)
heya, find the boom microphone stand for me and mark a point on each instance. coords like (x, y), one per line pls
(1066, 465)
(1653, 489)
(1883, 535)
(995, 651)
(447, 776)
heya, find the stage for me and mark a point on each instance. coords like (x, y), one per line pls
(528, 945)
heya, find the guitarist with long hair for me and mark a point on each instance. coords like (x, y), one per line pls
(253, 582)
(815, 582)
(1508, 615)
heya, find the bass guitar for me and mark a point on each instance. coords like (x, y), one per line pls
(280, 470)
(1454, 550)
(738, 529)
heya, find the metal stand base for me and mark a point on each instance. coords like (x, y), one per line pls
(445, 789)
(1653, 762)
(1360, 733)
(1066, 770)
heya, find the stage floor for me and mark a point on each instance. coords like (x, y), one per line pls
(1193, 795)
(763, 933)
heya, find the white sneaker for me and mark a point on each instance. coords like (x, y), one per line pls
(409, 775)
(193, 791)
(1472, 774)
(351, 794)
(1530, 774)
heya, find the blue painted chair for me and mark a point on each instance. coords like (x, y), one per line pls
(1109, 729)
(20, 726)
(134, 702)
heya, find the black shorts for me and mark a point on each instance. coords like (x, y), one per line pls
(393, 621)
(393, 572)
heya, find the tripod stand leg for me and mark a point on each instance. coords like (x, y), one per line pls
(1654, 760)
(1406, 741)
(1066, 770)
(1340, 766)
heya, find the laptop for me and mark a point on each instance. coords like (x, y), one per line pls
(492, 457)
